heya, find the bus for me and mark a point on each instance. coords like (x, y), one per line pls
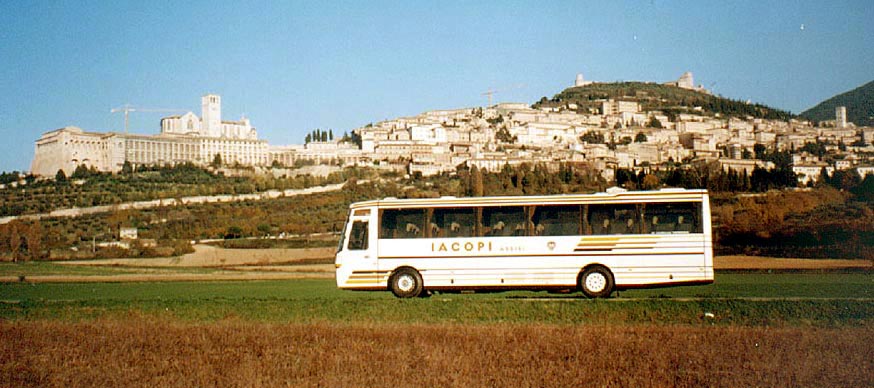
(594, 243)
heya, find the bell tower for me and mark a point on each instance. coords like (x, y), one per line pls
(211, 105)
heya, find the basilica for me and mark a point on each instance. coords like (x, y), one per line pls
(183, 138)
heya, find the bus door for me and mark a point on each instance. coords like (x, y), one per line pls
(357, 259)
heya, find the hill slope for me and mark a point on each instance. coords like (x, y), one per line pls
(859, 103)
(653, 96)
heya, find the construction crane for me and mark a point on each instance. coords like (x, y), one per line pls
(127, 108)
(491, 91)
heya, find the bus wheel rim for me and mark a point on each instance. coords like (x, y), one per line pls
(596, 282)
(406, 283)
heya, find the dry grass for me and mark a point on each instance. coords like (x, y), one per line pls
(137, 352)
(758, 262)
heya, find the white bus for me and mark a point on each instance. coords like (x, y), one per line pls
(595, 243)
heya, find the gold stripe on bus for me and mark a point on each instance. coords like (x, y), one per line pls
(615, 237)
(644, 244)
(363, 282)
(617, 243)
(570, 255)
(626, 253)
(618, 237)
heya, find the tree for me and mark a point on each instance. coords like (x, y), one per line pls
(356, 138)
(216, 161)
(650, 182)
(14, 240)
(640, 138)
(497, 120)
(502, 135)
(82, 171)
(127, 168)
(476, 182)
(846, 179)
(817, 148)
(760, 150)
(8, 177)
(33, 239)
(592, 137)
(330, 135)
(745, 182)
(233, 232)
(264, 229)
(655, 123)
(625, 178)
(865, 190)
(60, 176)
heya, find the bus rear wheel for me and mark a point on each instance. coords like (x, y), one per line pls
(406, 283)
(596, 282)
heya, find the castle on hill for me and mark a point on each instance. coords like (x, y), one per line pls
(686, 81)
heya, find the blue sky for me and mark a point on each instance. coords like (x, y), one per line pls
(292, 67)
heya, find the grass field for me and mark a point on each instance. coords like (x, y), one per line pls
(735, 299)
(775, 330)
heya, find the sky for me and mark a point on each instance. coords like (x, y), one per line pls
(292, 67)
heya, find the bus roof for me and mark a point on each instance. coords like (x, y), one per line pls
(613, 195)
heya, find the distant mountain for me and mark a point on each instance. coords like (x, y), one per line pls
(667, 98)
(859, 103)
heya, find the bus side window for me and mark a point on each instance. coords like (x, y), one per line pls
(457, 222)
(402, 223)
(673, 217)
(659, 219)
(624, 220)
(503, 221)
(614, 219)
(599, 219)
(358, 236)
(557, 220)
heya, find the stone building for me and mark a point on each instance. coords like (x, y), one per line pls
(841, 117)
(580, 81)
(183, 138)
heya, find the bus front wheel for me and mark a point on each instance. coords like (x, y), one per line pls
(596, 282)
(406, 283)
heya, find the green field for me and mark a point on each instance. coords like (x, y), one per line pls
(735, 299)
(42, 268)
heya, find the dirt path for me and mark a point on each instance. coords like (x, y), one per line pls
(182, 277)
(210, 256)
(281, 264)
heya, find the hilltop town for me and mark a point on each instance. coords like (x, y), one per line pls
(203, 177)
(620, 131)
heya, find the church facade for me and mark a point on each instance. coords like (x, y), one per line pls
(183, 138)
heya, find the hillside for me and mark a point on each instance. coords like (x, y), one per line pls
(653, 96)
(859, 103)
